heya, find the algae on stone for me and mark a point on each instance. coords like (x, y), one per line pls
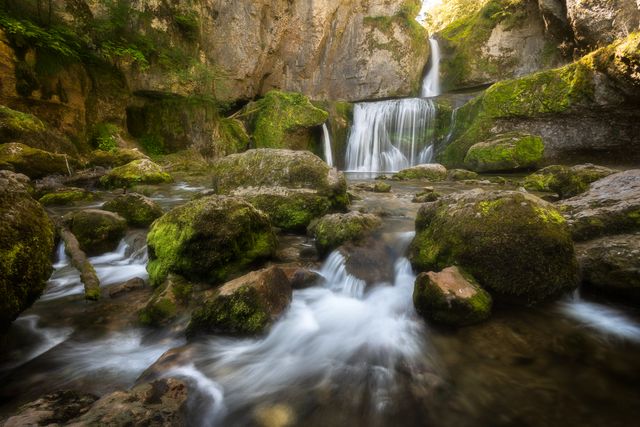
(506, 152)
(137, 209)
(142, 171)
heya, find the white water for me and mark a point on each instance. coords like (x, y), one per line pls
(326, 142)
(431, 83)
(388, 136)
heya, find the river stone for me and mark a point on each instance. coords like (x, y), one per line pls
(208, 239)
(516, 245)
(97, 231)
(142, 171)
(506, 152)
(52, 409)
(244, 306)
(461, 175)
(26, 245)
(33, 162)
(138, 210)
(451, 297)
(64, 196)
(114, 158)
(429, 172)
(567, 181)
(610, 206)
(612, 264)
(333, 230)
(167, 301)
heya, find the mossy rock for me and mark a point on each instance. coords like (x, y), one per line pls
(26, 246)
(334, 230)
(280, 168)
(567, 181)
(142, 171)
(138, 210)
(97, 231)
(451, 297)
(167, 301)
(66, 196)
(429, 172)
(244, 306)
(381, 187)
(461, 175)
(506, 152)
(33, 162)
(288, 209)
(516, 245)
(285, 120)
(208, 239)
(114, 158)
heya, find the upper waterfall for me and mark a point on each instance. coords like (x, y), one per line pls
(431, 83)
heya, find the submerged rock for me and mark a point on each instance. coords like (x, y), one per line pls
(429, 172)
(26, 245)
(142, 171)
(516, 245)
(451, 297)
(208, 239)
(567, 181)
(610, 206)
(333, 230)
(137, 209)
(167, 300)
(505, 152)
(33, 162)
(244, 306)
(97, 231)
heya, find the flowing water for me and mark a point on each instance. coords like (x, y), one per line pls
(431, 83)
(326, 144)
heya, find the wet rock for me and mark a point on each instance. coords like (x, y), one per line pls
(451, 297)
(381, 187)
(137, 209)
(167, 301)
(244, 306)
(208, 239)
(516, 245)
(429, 172)
(567, 181)
(426, 196)
(87, 178)
(299, 277)
(115, 158)
(56, 408)
(142, 171)
(461, 175)
(506, 152)
(97, 231)
(130, 285)
(333, 230)
(26, 245)
(278, 415)
(66, 196)
(33, 162)
(610, 206)
(612, 265)
(369, 260)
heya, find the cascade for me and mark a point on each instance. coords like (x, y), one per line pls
(431, 82)
(326, 142)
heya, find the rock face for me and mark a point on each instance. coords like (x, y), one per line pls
(244, 306)
(26, 245)
(610, 206)
(596, 23)
(451, 297)
(612, 265)
(516, 245)
(505, 152)
(564, 180)
(33, 162)
(333, 230)
(429, 172)
(208, 239)
(97, 231)
(142, 171)
(138, 210)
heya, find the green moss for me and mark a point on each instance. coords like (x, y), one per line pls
(97, 231)
(14, 122)
(142, 171)
(135, 208)
(505, 152)
(430, 172)
(33, 162)
(66, 197)
(105, 136)
(333, 230)
(564, 180)
(158, 312)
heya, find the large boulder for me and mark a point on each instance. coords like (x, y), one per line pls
(567, 181)
(26, 245)
(451, 297)
(333, 230)
(516, 245)
(208, 239)
(142, 171)
(428, 172)
(610, 206)
(505, 152)
(138, 210)
(244, 306)
(97, 231)
(33, 162)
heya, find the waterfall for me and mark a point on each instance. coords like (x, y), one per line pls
(431, 83)
(388, 136)
(326, 142)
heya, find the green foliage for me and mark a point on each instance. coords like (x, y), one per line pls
(105, 137)
(188, 25)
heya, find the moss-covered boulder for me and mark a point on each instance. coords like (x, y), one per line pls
(97, 231)
(280, 168)
(381, 187)
(610, 206)
(333, 230)
(114, 158)
(567, 181)
(138, 210)
(26, 245)
(285, 120)
(505, 152)
(428, 172)
(142, 171)
(451, 297)
(461, 175)
(516, 245)
(289, 209)
(33, 162)
(208, 239)
(66, 196)
(168, 301)
(244, 306)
